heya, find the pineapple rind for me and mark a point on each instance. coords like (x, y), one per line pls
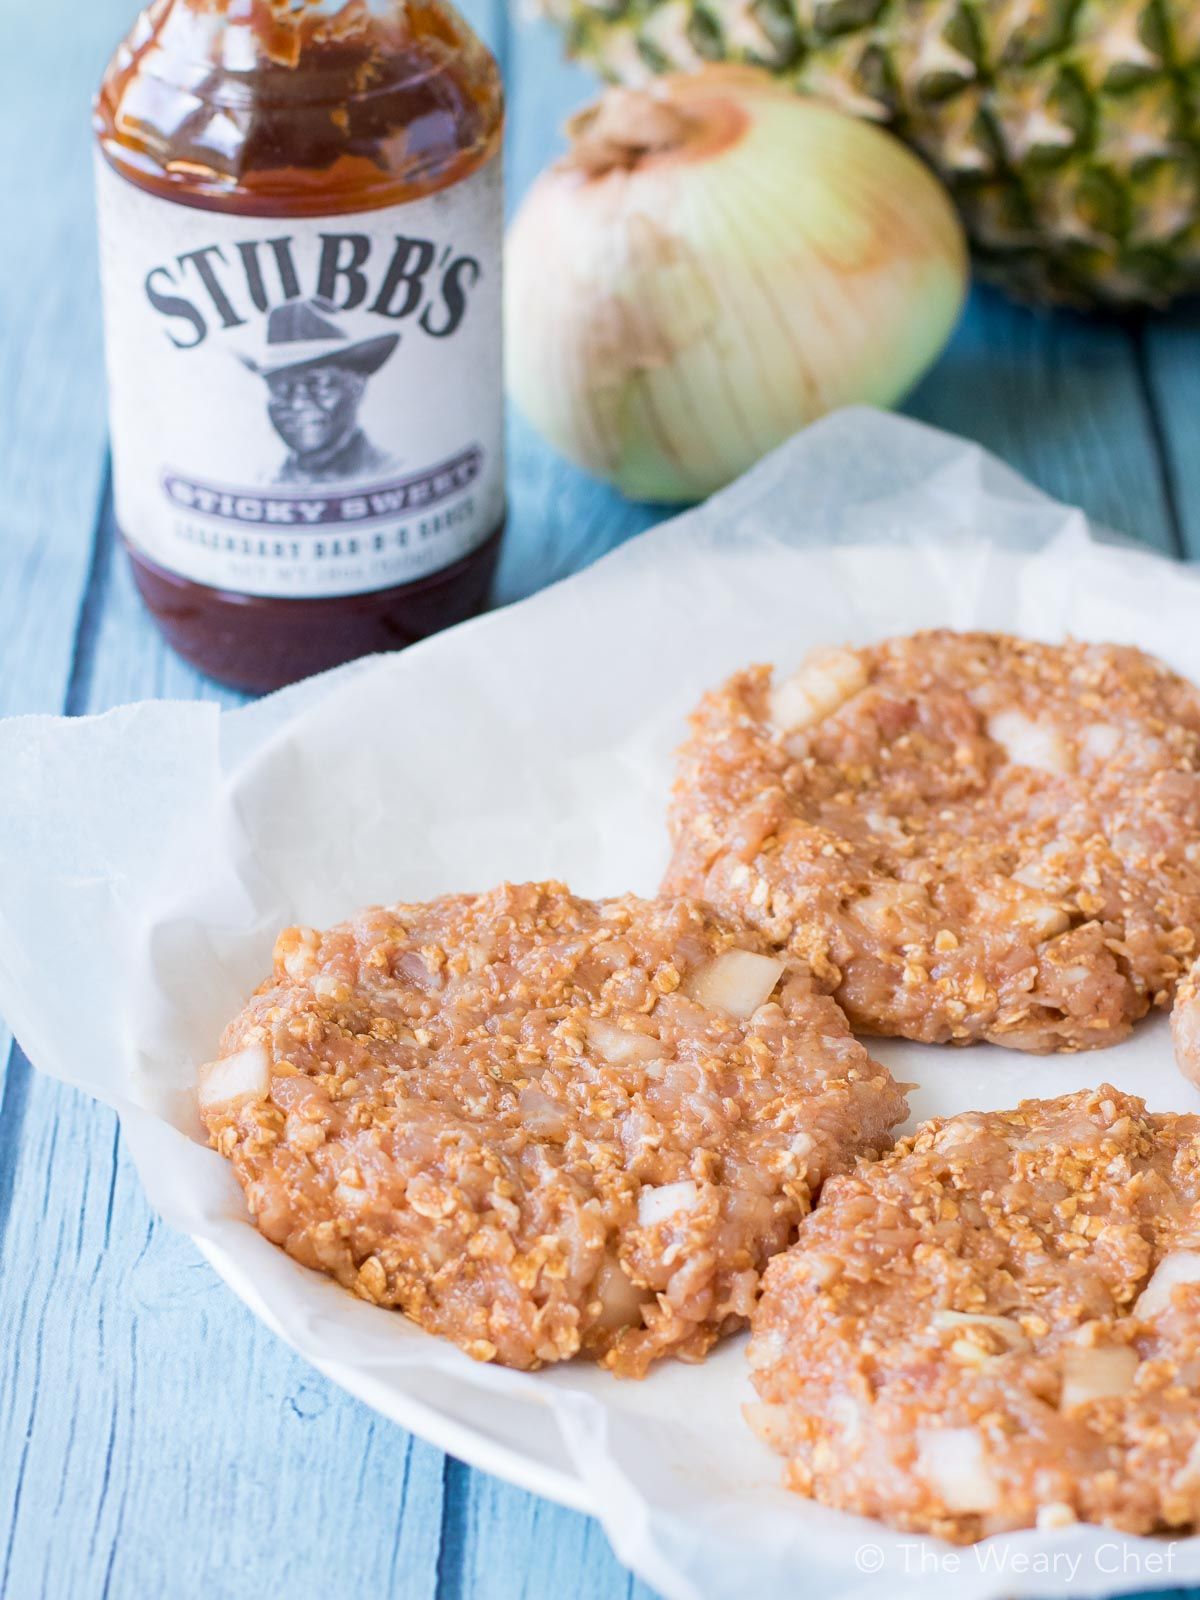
(1068, 131)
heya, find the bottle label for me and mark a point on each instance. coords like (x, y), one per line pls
(305, 407)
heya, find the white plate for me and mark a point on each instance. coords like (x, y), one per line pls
(534, 743)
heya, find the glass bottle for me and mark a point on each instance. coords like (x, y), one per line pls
(300, 220)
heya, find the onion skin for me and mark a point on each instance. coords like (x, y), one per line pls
(671, 319)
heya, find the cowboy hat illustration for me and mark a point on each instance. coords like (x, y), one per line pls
(316, 377)
(300, 335)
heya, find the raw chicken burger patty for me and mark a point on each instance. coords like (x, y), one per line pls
(1185, 1025)
(541, 1125)
(997, 1326)
(967, 836)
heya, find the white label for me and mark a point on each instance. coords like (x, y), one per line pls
(305, 406)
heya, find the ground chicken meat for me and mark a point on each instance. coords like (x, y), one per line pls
(1185, 1026)
(967, 836)
(997, 1326)
(540, 1125)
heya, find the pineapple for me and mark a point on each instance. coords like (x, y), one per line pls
(1067, 130)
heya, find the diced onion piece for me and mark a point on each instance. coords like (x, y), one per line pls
(818, 1268)
(1024, 910)
(541, 1115)
(1037, 874)
(619, 1046)
(1096, 1372)
(1004, 1327)
(960, 1133)
(296, 951)
(1185, 1031)
(883, 822)
(1058, 1514)
(894, 910)
(846, 1415)
(953, 1464)
(658, 1202)
(244, 1075)
(737, 981)
(620, 1299)
(1027, 743)
(825, 680)
(772, 1423)
(1046, 920)
(748, 1211)
(972, 1352)
(765, 1350)
(1080, 1133)
(1101, 740)
(302, 1133)
(1179, 1266)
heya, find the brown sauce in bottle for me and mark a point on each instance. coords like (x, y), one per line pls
(343, 146)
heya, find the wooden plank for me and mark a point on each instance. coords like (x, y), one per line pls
(156, 1439)
(1170, 347)
(1062, 400)
(504, 1544)
(148, 1425)
(52, 442)
(148, 1419)
(51, 369)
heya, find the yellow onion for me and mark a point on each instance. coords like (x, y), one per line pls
(715, 262)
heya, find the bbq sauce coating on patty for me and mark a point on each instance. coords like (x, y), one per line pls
(539, 1125)
(967, 836)
(997, 1325)
(1185, 1025)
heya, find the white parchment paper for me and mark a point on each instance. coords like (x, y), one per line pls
(154, 852)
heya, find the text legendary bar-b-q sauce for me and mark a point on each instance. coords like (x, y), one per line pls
(300, 223)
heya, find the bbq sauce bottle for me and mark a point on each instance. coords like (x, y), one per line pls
(300, 227)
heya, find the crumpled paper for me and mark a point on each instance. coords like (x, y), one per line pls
(154, 852)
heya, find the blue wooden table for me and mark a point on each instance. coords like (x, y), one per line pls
(154, 1440)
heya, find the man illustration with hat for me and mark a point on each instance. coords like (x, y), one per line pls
(316, 379)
